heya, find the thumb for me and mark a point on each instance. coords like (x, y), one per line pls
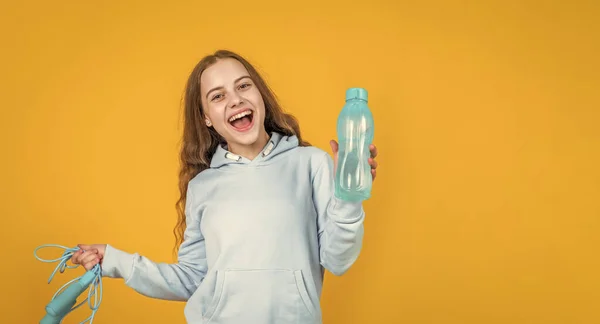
(84, 247)
(334, 146)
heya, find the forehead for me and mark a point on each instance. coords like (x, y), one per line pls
(223, 72)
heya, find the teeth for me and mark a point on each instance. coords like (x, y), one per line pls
(240, 115)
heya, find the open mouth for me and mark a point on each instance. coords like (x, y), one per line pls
(242, 121)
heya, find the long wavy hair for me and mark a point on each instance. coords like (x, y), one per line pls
(199, 141)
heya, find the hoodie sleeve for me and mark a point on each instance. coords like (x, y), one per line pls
(166, 281)
(340, 223)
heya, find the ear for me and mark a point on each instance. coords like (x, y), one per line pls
(208, 123)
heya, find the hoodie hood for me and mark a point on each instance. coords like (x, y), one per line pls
(277, 144)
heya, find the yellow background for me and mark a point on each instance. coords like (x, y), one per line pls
(486, 208)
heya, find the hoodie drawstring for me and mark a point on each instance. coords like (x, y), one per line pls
(238, 158)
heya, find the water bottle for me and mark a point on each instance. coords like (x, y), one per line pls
(355, 131)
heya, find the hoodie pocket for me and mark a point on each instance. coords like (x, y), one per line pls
(261, 296)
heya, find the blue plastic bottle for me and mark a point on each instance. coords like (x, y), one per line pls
(355, 132)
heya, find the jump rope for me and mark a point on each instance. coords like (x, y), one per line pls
(63, 303)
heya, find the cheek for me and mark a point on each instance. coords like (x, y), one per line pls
(257, 100)
(214, 113)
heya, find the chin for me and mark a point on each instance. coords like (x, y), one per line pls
(247, 138)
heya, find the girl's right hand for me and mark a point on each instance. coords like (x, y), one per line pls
(89, 255)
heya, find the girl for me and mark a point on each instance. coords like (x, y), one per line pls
(258, 219)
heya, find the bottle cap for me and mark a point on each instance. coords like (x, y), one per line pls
(357, 93)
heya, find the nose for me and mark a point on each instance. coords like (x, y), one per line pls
(235, 100)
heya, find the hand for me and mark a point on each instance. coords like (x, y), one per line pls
(89, 255)
(372, 162)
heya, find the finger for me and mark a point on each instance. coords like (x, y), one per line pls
(89, 256)
(373, 173)
(373, 150)
(373, 163)
(75, 256)
(79, 254)
(79, 257)
(85, 256)
(91, 264)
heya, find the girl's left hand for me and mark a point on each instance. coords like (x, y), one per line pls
(372, 162)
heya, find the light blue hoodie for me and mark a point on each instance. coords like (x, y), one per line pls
(259, 235)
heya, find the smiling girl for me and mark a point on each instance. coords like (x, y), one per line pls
(258, 219)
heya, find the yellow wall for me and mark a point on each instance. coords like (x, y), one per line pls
(486, 208)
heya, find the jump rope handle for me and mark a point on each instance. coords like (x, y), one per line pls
(63, 303)
(49, 319)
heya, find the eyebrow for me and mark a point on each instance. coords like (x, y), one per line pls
(221, 87)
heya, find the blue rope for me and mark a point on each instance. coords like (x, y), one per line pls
(92, 277)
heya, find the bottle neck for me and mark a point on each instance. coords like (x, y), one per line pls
(356, 100)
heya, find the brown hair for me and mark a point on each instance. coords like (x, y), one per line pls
(199, 142)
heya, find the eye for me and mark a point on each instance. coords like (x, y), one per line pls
(216, 97)
(245, 85)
